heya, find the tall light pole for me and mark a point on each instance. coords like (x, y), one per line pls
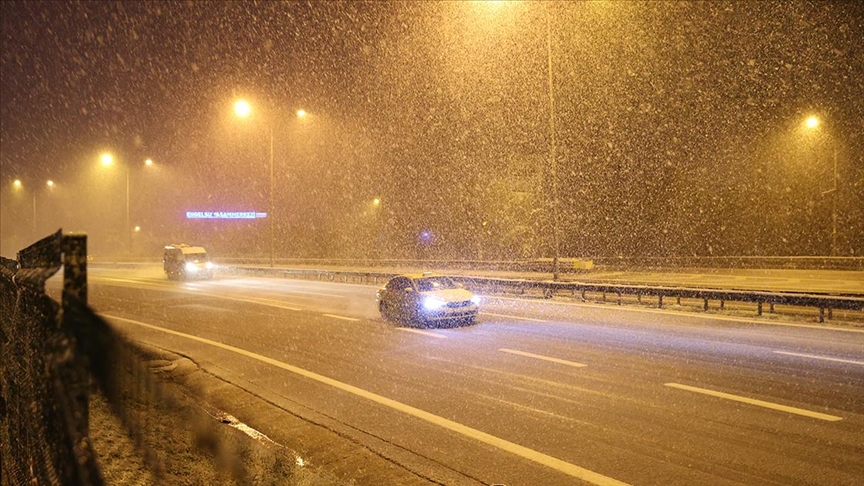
(243, 109)
(812, 123)
(18, 185)
(552, 150)
(833, 192)
(551, 200)
(107, 160)
(272, 206)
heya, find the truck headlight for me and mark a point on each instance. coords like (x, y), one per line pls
(191, 267)
(433, 303)
(475, 299)
(209, 265)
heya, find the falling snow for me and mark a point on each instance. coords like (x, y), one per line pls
(678, 126)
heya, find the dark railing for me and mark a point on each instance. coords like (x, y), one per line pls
(50, 354)
(44, 383)
(548, 289)
(567, 265)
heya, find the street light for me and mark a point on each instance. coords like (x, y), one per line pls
(107, 160)
(243, 109)
(18, 185)
(811, 123)
(552, 150)
(552, 200)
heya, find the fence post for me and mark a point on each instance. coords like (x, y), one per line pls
(74, 248)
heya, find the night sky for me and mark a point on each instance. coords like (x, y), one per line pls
(679, 126)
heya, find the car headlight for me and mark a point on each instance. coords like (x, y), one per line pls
(475, 299)
(191, 267)
(433, 303)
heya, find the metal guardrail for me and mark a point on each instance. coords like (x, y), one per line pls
(548, 289)
(44, 384)
(568, 265)
(52, 354)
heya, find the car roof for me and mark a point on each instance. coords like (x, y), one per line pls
(186, 249)
(414, 276)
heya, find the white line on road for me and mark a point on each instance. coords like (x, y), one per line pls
(165, 288)
(505, 445)
(425, 333)
(334, 316)
(254, 300)
(512, 317)
(759, 403)
(826, 358)
(690, 315)
(320, 294)
(544, 358)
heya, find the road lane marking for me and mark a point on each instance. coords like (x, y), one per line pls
(691, 315)
(259, 301)
(178, 290)
(512, 317)
(418, 331)
(505, 445)
(544, 358)
(320, 294)
(334, 316)
(826, 358)
(759, 403)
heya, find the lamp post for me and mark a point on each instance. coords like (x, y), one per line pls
(833, 192)
(552, 202)
(812, 123)
(243, 109)
(552, 150)
(107, 160)
(18, 185)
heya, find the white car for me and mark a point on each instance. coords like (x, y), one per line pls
(427, 300)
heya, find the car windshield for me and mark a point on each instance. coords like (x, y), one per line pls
(428, 284)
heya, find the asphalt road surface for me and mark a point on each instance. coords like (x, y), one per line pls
(537, 392)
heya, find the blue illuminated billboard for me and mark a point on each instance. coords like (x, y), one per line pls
(224, 215)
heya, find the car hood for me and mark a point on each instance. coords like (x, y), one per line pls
(450, 295)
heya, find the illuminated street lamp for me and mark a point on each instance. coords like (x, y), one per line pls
(812, 123)
(243, 109)
(552, 151)
(18, 185)
(552, 199)
(107, 160)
